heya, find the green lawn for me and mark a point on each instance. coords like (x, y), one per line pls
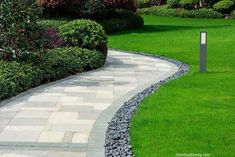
(196, 113)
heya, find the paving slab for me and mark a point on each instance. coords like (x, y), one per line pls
(69, 117)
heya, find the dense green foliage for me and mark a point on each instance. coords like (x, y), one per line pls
(188, 4)
(173, 3)
(224, 6)
(32, 53)
(85, 8)
(32, 70)
(18, 28)
(122, 22)
(118, 22)
(164, 11)
(86, 34)
(142, 3)
(193, 114)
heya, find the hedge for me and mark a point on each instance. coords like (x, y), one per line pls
(34, 69)
(164, 11)
(122, 22)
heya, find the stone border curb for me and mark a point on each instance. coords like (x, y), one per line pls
(117, 140)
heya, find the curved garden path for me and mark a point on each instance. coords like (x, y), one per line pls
(68, 118)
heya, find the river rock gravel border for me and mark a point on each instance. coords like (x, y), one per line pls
(117, 141)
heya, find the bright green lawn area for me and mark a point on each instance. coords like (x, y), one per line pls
(193, 114)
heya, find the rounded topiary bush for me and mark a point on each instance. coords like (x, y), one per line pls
(224, 6)
(173, 3)
(85, 34)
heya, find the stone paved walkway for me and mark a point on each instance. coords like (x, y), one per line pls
(68, 118)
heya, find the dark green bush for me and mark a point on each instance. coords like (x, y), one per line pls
(18, 28)
(224, 6)
(122, 22)
(33, 69)
(173, 3)
(142, 3)
(92, 8)
(17, 77)
(62, 62)
(85, 34)
(164, 11)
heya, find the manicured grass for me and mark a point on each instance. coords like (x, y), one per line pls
(193, 114)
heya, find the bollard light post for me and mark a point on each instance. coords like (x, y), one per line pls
(203, 49)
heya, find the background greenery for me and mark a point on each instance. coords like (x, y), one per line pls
(194, 114)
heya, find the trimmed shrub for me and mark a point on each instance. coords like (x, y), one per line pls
(122, 22)
(18, 28)
(173, 3)
(224, 6)
(207, 13)
(85, 34)
(62, 62)
(37, 68)
(17, 77)
(164, 11)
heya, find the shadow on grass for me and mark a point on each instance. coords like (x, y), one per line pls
(166, 28)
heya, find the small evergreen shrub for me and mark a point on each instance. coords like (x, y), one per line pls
(92, 8)
(62, 62)
(85, 34)
(173, 3)
(224, 6)
(17, 77)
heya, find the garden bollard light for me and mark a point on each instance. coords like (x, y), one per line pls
(203, 48)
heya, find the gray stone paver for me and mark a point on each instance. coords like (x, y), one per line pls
(69, 117)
